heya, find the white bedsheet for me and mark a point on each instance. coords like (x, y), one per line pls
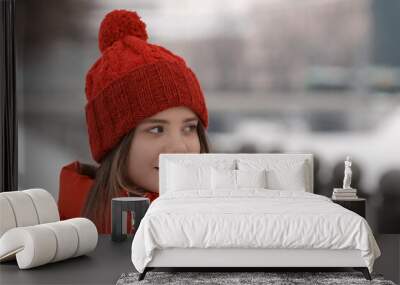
(250, 218)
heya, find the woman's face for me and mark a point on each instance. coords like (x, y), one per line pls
(171, 131)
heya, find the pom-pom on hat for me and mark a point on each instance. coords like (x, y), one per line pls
(134, 80)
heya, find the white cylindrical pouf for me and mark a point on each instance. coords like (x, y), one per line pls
(7, 218)
(46, 206)
(23, 208)
(31, 232)
(35, 245)
(67, 239)
(40, 244)
(87, 234)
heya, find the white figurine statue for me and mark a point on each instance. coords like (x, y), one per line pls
(347, 173)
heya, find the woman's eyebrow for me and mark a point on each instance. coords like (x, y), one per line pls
(161, 121)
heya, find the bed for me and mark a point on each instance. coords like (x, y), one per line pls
(245, 211)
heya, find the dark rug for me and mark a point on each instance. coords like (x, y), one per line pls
(286, 278)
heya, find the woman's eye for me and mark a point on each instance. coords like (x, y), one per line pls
(191, 128)
(160, 129)
(154, 130)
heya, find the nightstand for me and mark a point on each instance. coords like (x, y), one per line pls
(356, 205)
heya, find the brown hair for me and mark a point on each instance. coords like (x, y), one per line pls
(111, 176)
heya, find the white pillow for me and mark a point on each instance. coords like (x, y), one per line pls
(223, 179)
(292, 179)
(281, 174)
(251, 178)
(181, 178)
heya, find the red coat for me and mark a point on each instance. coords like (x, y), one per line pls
(74, 189)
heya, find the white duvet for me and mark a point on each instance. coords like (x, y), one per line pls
(250, 218)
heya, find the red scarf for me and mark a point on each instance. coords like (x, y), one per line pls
(74, 189)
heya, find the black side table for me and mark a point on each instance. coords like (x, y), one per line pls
(356, 205)
(138, 207)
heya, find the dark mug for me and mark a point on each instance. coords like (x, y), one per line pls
(136, 205)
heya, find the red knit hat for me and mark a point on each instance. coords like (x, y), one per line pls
(133, 80)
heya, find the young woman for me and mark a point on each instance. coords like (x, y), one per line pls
(142, 100)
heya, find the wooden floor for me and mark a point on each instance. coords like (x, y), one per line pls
(388, 263)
